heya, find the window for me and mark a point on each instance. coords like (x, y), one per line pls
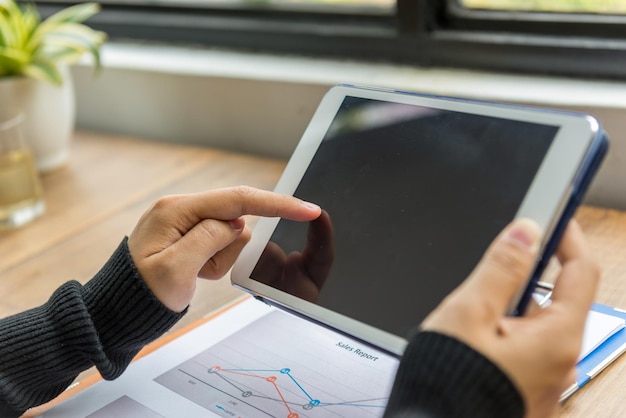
(582, 38)
(560, 6)
(374, 6)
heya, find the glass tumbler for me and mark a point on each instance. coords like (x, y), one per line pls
(20, 189)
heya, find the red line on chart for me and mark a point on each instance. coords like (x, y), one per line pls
(291, 413)
(270, 379)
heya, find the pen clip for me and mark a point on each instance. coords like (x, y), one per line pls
(543, 293)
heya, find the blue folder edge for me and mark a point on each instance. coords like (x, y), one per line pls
(601, 357)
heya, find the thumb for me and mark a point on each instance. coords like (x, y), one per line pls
(507, 264)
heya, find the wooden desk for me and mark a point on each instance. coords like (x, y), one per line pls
(95, 201)
(606, 233)
(110, 181)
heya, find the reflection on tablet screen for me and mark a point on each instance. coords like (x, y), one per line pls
(412, 197)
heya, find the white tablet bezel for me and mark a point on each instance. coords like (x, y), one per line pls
(544, 202)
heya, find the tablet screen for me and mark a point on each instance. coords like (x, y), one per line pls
(414, 196)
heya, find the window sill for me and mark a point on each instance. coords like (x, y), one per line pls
(542, 90)
(261, 103)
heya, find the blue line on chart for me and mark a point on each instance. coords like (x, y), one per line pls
(312, 402)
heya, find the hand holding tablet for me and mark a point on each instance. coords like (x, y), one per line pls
(414, 189)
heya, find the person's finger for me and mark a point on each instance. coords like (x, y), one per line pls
(218, 265)
(202, 242)
(573, 244)
(506, 265)
(319, 252)
(576, 286)
(231, 203)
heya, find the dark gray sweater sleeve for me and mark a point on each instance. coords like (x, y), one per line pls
(103, 323)
(440, 376)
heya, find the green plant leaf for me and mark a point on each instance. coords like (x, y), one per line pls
(5, 34)
(76, 30)
(32, 47)
(7, 28)
(62, 53)
(43, 70)
(9, 6)
(19, 32)
(75, 35)
(31, 19)
(5, 4)
(74, 14)
(12, 60)
(80, 32)
(14, 54)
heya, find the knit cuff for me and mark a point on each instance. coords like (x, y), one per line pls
(103, 323)
(125, 312)
(442, 376)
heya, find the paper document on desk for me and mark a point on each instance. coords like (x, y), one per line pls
(598, 328)
(250, 361)
(256, 360)
(604, 341)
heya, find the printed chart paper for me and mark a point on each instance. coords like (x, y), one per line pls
(251, 361)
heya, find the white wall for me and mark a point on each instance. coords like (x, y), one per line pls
(261, 104)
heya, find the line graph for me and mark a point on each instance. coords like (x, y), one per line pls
(284, 367)
(270, 376)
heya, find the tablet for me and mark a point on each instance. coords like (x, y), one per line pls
(413, 190)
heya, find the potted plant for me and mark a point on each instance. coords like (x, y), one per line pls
(34, 74)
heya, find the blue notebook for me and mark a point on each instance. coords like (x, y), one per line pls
(604, 342)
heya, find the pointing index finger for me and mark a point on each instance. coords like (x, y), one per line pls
(233, 202)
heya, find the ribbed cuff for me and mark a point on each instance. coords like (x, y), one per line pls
(125, 312)
(103, 323)
(440, 376)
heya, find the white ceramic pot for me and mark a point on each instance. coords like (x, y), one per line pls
(49, 116)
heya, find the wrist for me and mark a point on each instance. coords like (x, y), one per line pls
(172, 292)
(174, 295)
(123, 308)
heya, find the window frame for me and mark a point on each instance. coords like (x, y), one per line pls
(427, 33)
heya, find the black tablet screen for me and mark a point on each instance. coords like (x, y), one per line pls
(414, 196)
